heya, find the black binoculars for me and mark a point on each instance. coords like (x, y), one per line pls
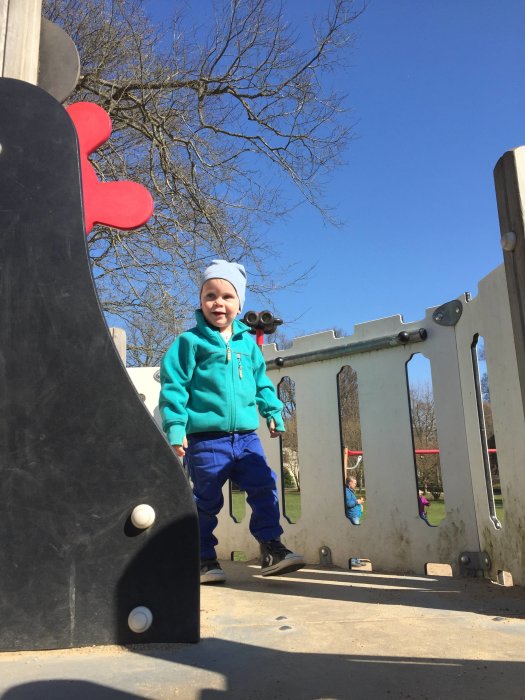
(262, 321)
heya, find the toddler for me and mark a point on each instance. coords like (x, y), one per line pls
(213, 381)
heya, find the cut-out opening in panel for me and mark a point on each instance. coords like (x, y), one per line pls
(437, 569)
(486, 430)
(430, 495)
(290, 471)
(504, 578)
(359, 564)
(237, 503)
(238, 556)
(353, 466)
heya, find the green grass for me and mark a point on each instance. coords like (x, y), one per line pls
(239, 505)
(437, 511)
(292, 500)
(292, 505)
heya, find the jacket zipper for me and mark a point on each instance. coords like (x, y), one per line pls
(230, 390)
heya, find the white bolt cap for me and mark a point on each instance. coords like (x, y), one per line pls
(140, 619)
(143, 516)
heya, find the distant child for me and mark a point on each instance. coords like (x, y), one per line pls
(354, 505)
(423, 503)
(213, 380)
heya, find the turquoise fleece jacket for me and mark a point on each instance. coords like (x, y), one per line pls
(210, 385)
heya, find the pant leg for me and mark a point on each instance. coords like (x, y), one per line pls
(253, 475)
(209, 463)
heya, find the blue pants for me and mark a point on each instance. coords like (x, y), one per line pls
(211, 460)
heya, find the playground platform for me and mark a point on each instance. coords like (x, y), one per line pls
(320, 633)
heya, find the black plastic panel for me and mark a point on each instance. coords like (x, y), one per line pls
(78, 450)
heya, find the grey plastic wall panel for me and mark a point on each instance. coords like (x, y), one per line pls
(489, 315)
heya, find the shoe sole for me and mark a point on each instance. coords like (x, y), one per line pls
(285, 566)
(211, 577)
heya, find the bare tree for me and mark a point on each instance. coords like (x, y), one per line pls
(214, 123)
(349, 408)
(350, 422)
(425, 437)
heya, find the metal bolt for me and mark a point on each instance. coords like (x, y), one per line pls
(325, 555)
(464, 559)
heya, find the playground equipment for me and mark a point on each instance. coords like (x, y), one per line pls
(99, 541)
(470, 539)
(261, 323)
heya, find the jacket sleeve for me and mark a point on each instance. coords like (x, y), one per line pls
(176, 371)
(268, 403)
(350, 498)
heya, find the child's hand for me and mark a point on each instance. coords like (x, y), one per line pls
(273, 432)
(180, 450)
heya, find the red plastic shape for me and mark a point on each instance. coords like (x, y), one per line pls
(122, 204)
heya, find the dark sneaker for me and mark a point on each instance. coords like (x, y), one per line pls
(211, 572)
(277, 560)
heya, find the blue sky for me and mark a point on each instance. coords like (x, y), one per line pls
(437, 94)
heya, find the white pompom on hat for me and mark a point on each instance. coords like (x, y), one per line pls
(234, 273)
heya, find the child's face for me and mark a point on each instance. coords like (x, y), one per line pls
(219, 303)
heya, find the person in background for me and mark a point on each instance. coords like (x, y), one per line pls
(354, 505)
(423, 504)
(354, 509)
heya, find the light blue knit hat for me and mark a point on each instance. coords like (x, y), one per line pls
(234, 273)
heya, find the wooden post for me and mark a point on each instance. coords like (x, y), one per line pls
(509, 177)
(119, 338)
(20, 39)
